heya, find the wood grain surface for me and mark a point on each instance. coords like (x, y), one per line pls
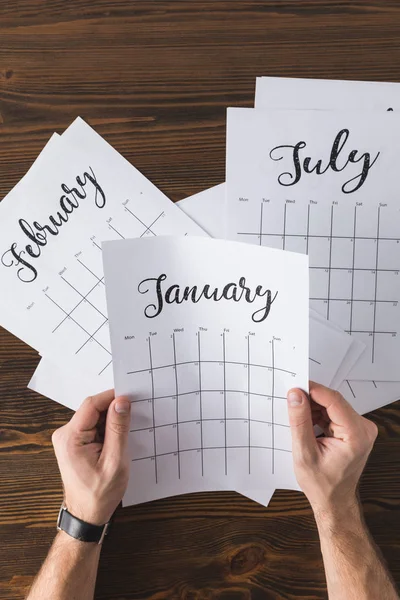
(155, 79)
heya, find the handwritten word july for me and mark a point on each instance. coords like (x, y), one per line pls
(231, 291)
(287, 178)
(38, 233)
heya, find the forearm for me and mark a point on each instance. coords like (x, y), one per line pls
(69, 571)
(353, 565)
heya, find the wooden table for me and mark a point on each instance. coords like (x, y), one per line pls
(155, 79)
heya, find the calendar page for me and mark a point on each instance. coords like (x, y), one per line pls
(78, 193)
(207, 338)
(325, 183)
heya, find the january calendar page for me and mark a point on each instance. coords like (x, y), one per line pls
(207, 338)
(325, 183)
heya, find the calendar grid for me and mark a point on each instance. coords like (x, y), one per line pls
(85, 296)
(176, 393)
(329, 298)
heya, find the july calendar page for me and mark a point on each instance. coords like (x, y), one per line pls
(325, 184)
(207, 338)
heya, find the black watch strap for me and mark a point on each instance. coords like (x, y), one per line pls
(80, 530)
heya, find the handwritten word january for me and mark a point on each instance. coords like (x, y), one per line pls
(287, 178)
(38, 233)
(231, 291)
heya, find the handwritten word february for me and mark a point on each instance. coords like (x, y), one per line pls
(287, 178)
(231, 291)
(38, 233)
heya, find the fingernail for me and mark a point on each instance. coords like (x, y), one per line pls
(122, 407)
(294, 399)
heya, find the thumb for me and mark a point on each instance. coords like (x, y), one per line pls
(117, 427)
(304, 444)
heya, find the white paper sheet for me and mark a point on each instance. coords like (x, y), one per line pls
(292, 93)
(351, 353)
(366, 396)
(354, 283)
(53, 294)
(207, 209)
(208, 363)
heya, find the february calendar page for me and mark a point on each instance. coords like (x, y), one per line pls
(325, 184)
(207, 338)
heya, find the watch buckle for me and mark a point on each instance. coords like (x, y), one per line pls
(104, 532)
(62, 507)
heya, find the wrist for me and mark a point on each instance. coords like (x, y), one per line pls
(95, 515)
(334, 518)
(75, 545)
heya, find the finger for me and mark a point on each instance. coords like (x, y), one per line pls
(338, 409)
(88, 414)
(117, 428)
(301, 425)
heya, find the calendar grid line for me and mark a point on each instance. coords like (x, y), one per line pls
(151, 225)
(330, 263)
(358, 300)
(248, 397)
(153, 410)
(201, 407)
(317, 362)
(99, 279)
(208, 391)
(85, 297)
(317, 236)
(284, 226)
(147, 227)
(352, 269)
(104, 368)
(261, 223)
(92, 336)
(372, 332)
(272, 407)
(350, 388)
(177, 404)
(116, 231)
(308, 228)
(241, 419)
(75, 307)
(228, 362)
(173, 452)
(76, 322)
(96, 244)
(376, 284)
(224, 358)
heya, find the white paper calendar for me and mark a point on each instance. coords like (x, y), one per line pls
(322, 94)
(207, 338)
(77, 195)
(323, 184)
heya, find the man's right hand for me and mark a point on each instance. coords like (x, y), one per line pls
(328, 468)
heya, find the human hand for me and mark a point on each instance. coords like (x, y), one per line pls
(92, 455)
(328, 468)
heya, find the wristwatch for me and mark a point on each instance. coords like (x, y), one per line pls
(80, 530)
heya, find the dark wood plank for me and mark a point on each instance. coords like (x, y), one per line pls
(155, 79)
